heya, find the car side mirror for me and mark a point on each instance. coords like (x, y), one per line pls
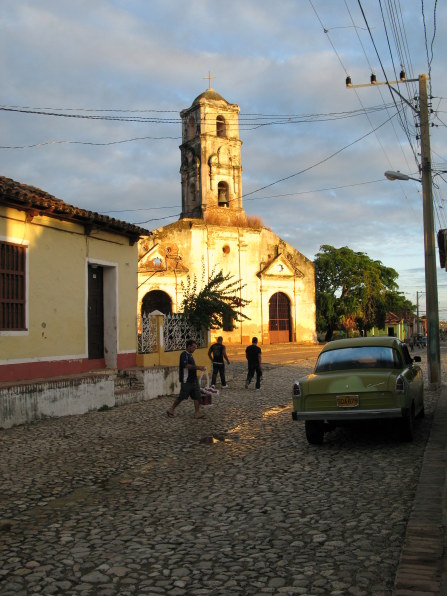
(417, 359)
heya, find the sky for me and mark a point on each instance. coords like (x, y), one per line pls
(91, 94)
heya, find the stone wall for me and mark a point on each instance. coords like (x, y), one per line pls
(25, 403)
(28, 402)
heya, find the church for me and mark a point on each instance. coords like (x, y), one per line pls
(214, 233)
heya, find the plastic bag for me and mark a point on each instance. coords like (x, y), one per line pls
(206, 391)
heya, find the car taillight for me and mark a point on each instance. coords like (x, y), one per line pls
(296, 389)
(399, 384)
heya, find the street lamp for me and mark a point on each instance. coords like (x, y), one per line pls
(399, 176)
(431, 283)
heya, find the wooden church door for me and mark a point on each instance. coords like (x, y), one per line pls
(279, 318)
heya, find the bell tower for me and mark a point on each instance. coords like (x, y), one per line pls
(211, 170)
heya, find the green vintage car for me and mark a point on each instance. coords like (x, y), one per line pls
(364, 378)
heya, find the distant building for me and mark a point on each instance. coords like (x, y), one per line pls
(395, 326)
(214, 233)
(401, 324)
(68, 287)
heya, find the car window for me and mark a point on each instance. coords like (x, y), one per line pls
(359, 358)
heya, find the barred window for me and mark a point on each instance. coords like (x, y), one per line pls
(12, 287)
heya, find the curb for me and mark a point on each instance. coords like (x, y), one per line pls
(422, 566)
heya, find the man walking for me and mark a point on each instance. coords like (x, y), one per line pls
(253, 355)
(189, 383)
(217, 354)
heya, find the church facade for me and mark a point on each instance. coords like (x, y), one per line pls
(214, 233)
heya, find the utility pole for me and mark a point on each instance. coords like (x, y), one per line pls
(431, 284)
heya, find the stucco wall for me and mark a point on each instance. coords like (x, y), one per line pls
(163, 358)
(58, 256)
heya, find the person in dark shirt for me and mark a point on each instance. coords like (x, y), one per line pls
(217, 354)
(253, 355)
(189, 383)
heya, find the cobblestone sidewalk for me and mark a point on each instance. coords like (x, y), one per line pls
(128, 501)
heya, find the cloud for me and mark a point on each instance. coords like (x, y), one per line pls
(272, 60)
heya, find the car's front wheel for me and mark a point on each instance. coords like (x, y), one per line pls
(314, 432)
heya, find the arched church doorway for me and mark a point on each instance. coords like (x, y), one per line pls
(279, 318)
(156, 300)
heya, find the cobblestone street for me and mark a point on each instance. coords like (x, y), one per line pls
(128, 501)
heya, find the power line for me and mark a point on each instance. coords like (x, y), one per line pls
(245, 118)
(140, 111)
(46, 143)
(383, 71)
(91, 117)
(429, 52)
(278, 196)
(386, 106)
(324, 160)
(306, 192)
(400, 40)
(380, 93)
(251, 122)
(140, 209)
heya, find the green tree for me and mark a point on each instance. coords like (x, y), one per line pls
(396, 302)
(217, 304)
(353, 291)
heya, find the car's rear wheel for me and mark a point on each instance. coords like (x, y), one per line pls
(314, 432)
(406, 426)
(421, 413)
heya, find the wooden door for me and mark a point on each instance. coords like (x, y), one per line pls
(95, 312)
(279, 318)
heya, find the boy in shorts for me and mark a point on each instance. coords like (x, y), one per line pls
(189, 383)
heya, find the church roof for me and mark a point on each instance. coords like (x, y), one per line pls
(209, 94)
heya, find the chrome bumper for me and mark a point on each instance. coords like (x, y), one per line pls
(351, 414)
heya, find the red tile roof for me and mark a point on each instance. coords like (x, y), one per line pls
(32, 199)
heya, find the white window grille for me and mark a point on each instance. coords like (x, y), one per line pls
(178, 329)
(147, 334)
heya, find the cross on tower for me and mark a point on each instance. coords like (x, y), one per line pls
(209, 77)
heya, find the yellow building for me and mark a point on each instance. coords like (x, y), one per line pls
(68, 287)
(214, 233)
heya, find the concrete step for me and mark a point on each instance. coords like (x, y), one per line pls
(129, 380)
